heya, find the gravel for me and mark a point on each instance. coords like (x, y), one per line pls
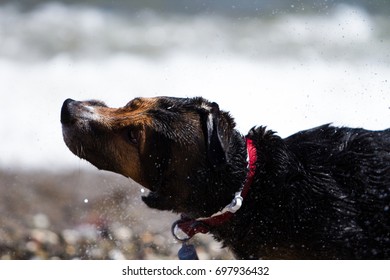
(85, 215)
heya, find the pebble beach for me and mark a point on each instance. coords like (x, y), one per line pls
(85, 215)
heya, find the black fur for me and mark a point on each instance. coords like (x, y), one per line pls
(323, 193)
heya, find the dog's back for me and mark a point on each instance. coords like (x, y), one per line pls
(349, 171)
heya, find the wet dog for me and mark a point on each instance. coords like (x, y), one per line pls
(322, 193)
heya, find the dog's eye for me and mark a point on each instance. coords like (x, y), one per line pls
(133, 136)
(170, 108)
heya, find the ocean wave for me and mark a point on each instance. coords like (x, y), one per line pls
(289, 72)
(89, 32)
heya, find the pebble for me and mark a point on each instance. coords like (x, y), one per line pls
(84, 242)
(71, 236)
(43, 236)
(41, 221)
(123, 233)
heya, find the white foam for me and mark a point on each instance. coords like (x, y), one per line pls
(287, 93)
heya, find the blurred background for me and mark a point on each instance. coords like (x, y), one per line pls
(289, 65)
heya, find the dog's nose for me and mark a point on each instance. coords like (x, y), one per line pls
(66, 111)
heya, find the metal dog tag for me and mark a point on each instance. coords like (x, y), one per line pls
(187, 252)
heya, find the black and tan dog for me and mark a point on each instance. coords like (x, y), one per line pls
(322, 193)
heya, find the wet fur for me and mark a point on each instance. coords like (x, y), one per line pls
(322, 193)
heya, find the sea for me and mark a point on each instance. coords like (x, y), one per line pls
(287, 65)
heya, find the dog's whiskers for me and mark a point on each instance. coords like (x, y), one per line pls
(80, 151)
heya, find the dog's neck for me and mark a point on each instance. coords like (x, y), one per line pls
(186, 228)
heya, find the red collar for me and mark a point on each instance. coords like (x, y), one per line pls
(185, 228)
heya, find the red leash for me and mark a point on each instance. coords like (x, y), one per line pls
(185, 228)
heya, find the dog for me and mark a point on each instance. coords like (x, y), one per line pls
(322, 193)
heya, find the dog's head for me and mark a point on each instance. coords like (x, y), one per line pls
(168, 145)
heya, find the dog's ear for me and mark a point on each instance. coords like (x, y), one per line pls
(216, 153)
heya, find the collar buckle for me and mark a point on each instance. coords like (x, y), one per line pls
(236, 203)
